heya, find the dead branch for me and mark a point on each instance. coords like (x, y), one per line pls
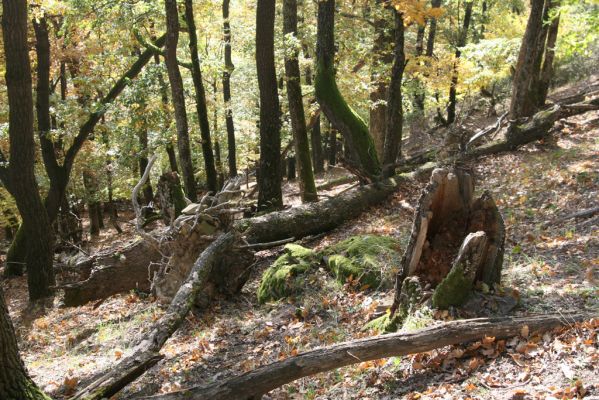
(260, 381)
(580, 214)
(146, 353)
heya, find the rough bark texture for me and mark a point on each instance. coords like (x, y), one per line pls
(453, 87)
(19, 176)
(146, 353)
(381, 58)
(269, 178)
(114, 271)
(143, 163)
(260, 381)
(394, 120)
(547, 68)
(202, 110)
(229, 67)
(296, 107)
(523, 102)
(354, 130)
(178, 98)
(15, 383)
(441, 252)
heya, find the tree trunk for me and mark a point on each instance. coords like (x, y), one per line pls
(178, 98)
(381, 58)
(314, 126)
(269, 178)
(19, 176)
(196, 74)
(170, 149)
(432, 31)
(354, 130)
(254, 384)
(453, 87)
(394, 126)
(523, 103)
(547, 68)
(332, 144)
(229, 67)
(296, 107)
(90, 183)
(15, 383)
(143, 163)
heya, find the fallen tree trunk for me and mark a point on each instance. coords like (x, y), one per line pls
(254, 384)
(146, 353)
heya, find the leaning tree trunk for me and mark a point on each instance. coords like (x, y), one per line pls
(15, 383)
(456, 241)
(453, 87)
(547, 68)
(269, 178)
(198, 83)
(296, 107)
(364, 160)
(178, 97)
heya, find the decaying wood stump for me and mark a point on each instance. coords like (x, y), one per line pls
(456, 242)
(169, 197)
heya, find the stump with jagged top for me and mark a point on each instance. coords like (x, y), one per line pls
(456, 244)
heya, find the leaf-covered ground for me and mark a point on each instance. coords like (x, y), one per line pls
(551, 264)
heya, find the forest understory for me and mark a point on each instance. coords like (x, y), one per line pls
(551, 265)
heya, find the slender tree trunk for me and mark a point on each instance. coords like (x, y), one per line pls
(15, 383)
(170, 149)
(269, 178)
(432, 31)
(547, 68)
(364, 160)
(420, 89)
(296, 107)
(178, 97)
(93, 204)
(19, 176)
(314, 126)
(393, 131)
(453, 87)
(143, 163)
(381, 57)
(523, 102)
(229, 67)
(202, 110)
(332, 147)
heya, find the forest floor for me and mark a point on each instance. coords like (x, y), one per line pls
(551, 265)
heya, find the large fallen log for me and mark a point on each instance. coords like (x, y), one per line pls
(146, 353)
(260, 381)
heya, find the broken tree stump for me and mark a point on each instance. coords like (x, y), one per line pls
(456, 242)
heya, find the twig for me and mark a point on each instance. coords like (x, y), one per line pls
(268, 244)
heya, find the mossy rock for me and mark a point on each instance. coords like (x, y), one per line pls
(284, 277)
(365, 258)
(383, 324)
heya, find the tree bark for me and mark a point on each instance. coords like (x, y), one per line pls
(453, 87)
(15, 383)
(432, 31)
(547, 69)
(19, 176)
(262, 380)
(381, 57)
(394, 120)
(229, 67)
(143, 163)
(296, 107)
(146, 353)
(196, 74)
(269, 178)
(523, 103)
(178, 98)
(354, 130)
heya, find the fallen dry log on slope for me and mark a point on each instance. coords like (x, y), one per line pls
(253, 384)
(146, 353)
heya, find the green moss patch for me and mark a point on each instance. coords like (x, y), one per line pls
(367, 258)
(284, 277)
(453, 290)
